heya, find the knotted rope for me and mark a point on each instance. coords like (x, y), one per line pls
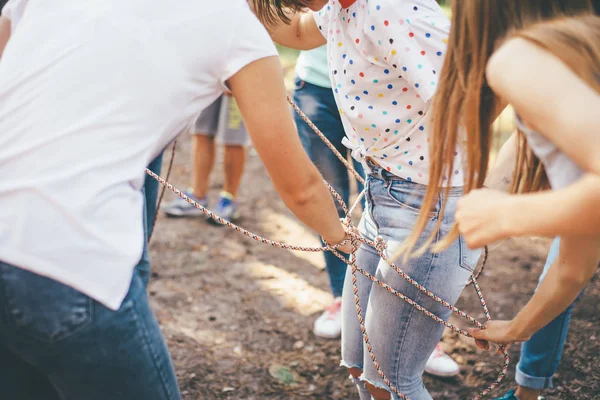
(380, 246)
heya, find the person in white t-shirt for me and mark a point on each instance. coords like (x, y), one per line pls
(384, 60)
(90, 92)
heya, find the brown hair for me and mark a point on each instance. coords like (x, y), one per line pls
(465, 104)
(269, 12)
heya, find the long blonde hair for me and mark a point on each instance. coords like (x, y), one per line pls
(464, 102)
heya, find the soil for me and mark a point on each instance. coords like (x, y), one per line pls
(233, 309)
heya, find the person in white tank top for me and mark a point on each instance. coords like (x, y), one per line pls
(566, 142)
(549, 73)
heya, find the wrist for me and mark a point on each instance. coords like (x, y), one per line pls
(512, 218)
(336, 239)
(518, 330)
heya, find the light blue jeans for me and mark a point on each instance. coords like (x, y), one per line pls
(401, 336)
(540, 355)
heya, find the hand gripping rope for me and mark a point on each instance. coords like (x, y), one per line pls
(381, 246)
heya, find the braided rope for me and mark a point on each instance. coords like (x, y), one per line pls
(380, 246)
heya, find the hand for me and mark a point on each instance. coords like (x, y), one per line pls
(481, 217)
(500, 332)
(347, 247)
(350, 231)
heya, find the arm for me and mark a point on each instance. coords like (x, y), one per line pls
(566, 278)
(500, 176)
(260, 93)
(538, 213)
(4, 33)
(578, 260)
(551, 98)
(485, 216)
(565, 112)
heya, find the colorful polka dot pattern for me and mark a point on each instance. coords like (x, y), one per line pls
(384, 58)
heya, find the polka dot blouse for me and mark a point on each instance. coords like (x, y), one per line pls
(384, 59)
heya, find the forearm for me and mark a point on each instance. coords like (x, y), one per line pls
(573, 210)
(500, 176)
(565, 279)
(261, 97)
(314, 206)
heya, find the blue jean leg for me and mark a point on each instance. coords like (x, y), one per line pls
(151, 188)
(540, 356)
(402, 338)
(20, 380)
(126, 342)
(150, 193)
(319, 105)
(85, 350)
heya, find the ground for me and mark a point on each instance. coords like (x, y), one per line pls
(237, 313)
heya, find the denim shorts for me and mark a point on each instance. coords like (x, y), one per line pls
(401, 336)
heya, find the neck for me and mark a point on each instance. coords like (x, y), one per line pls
(346, 3)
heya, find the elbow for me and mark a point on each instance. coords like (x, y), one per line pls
(499, 69)
(577, 278)
(595, 170)
(304, 193)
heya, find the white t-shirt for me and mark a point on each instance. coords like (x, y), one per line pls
(13, 10)
(90, 92)
(385, 57)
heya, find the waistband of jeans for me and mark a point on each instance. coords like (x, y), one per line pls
(378, 172)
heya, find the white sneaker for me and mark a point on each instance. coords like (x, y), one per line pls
(181, 208)
(440, 364)
(329, 324)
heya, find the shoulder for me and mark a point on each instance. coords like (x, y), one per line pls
(416, 19)
(515, 60)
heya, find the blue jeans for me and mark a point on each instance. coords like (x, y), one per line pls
(401, 336)
(58, 344)
(151, 189)
(540, 355)
(319, 105)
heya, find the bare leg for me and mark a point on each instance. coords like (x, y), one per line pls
(235, 161)
(203, 159)
(378, 394)
(524, 393)
(363, 392)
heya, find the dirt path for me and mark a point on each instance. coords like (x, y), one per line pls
(232, 308)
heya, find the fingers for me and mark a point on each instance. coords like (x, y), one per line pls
(482, 344)
(481, 334)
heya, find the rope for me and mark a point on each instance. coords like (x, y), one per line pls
(380, 246)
